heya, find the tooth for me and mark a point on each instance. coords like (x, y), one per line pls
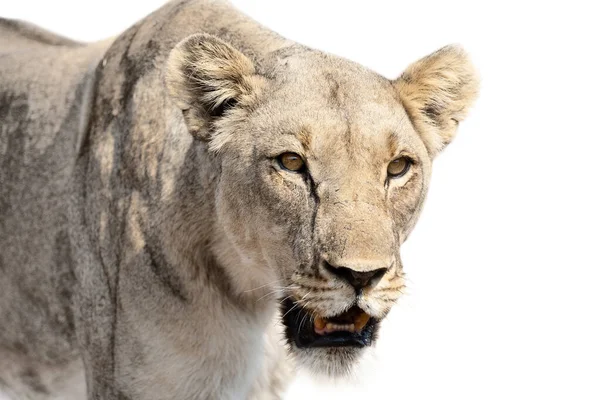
(319, 323)
(322, 326)
(360, 321)
(341, 327)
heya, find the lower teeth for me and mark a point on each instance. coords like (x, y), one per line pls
(322, 327)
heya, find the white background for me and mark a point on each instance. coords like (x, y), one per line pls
(503, 299)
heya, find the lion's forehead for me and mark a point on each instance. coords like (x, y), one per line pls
(355, 131)
(335, 105)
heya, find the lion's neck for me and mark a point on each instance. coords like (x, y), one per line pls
(218, 330)
(226, 312)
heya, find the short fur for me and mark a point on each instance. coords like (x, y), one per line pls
(147, 230)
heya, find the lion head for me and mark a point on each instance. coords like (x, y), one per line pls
(324, 169)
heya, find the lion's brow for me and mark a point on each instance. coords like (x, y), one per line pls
(392, 142)
(303, 135)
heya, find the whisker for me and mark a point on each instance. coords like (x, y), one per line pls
(313, 316)
(274, 292)
(285, 298)
(390, 289)
(385, 300)
(278, 290)
(323, 287)
(290, 310)
(302, 299)
(262, 286)
(303, 319)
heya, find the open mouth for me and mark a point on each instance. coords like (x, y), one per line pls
(353, 328)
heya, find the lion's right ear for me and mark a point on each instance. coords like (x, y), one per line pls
(207, 77)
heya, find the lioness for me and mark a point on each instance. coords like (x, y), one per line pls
(166, 196)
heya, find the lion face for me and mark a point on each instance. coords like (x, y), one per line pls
(324, 170)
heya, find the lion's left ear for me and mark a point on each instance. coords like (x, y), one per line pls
(437, 92)
(207, 77)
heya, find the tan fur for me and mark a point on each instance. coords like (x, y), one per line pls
(148, 231)
(207, 71)
(437, 91)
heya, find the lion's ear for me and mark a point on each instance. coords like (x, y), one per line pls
(437, 92)
(206, 77)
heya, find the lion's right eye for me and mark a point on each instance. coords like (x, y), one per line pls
(292, 162)
(399, 167)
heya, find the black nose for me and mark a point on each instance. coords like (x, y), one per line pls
(358, 279)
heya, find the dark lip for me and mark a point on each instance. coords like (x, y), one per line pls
(299, 329)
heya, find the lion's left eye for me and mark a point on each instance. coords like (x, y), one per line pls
(291, 162)
(399, 167)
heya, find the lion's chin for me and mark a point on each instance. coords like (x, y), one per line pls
(333, 362)
(328, 346)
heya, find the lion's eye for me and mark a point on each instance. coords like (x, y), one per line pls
(291, 161)
(398, 167)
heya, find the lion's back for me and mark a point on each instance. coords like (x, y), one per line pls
(43, 84)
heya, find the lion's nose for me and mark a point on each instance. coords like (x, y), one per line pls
(358, 279)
